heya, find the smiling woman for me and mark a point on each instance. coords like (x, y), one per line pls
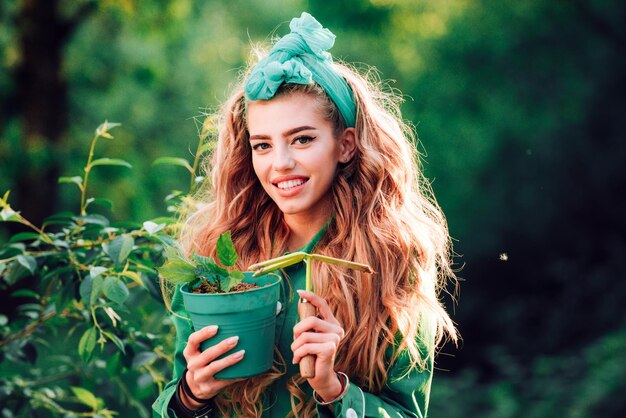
(295, 154)
(311, 156)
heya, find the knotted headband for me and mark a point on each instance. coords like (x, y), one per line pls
(300, 57)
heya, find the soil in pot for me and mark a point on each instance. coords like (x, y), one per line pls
(209, 288)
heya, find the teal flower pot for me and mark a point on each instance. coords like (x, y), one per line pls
(250, 314)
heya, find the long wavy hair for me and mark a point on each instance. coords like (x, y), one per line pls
(385, 215)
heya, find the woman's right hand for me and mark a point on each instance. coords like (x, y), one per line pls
(202, 365)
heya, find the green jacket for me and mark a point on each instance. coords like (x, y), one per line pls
(404, 395)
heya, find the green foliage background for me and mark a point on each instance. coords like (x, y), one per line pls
(518, 107)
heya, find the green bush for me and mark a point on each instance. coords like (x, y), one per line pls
(83, 330)
(586, 383)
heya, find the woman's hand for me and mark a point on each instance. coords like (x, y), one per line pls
(319, 336)
(202, 365)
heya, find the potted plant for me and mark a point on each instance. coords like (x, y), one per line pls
(241, 303)
(238, 303)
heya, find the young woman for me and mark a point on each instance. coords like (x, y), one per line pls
(311, 155)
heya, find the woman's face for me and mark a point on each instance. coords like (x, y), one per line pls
(295, 154)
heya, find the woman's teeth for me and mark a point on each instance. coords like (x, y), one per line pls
(290, 183)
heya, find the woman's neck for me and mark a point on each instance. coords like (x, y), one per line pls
(303, 229)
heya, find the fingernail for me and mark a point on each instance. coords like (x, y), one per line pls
(239, 354)
(211, 329)
(300, 291)
(232, 340)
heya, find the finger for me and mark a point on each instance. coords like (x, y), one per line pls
(211, 353)
(324, 350)
(314, 337)
(319, 302)
(227, 361)
(196, 338)
(313, 323)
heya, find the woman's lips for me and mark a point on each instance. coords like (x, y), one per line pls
(290, 187)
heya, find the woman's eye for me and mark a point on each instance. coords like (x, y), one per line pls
(261, 146)
(303, 139)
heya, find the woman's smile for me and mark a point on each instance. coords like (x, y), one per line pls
(289, 187)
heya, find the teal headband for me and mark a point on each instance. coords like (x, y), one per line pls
(300, 57)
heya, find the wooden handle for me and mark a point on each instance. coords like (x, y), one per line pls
(307, 363)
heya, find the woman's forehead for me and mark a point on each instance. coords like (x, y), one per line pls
(283, 111)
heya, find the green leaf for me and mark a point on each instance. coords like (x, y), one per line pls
(90, 289)
(115, 289)
(25, 293)
(99, 201)
(87, 398)
(115, 339)
(87, 344)
(110, 161)
(177, 272)
(16, 273)
(119, 249)
(85, 290)
(27, 261)
(225, 250)
(152, 227)
(173, 161)
(143, 358)
(167, 220)
(208, 267)
(3, 320)
(142, 268)
(29, 307)
(202, 260)
(96, 289)
(61, 244)
(9, 215)
(174, 195)
(24, 236)
(77, 180)
(96, 271)
(233, 280)
(105, 127)
(238, 275)
(94, 219)
(12, 250)
(63, 218)
(135, 277)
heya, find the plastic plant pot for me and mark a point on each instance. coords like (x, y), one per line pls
(249, 314)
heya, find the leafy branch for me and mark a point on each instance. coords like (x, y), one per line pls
(73, 279)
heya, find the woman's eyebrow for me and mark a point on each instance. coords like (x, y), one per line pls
(286, 133)
(298, 129)
(253, 137)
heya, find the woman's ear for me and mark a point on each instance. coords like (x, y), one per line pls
(347, 145)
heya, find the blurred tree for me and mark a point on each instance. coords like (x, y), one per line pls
(43, 28)
(518, 107)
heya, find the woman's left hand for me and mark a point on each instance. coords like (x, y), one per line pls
(319, 336)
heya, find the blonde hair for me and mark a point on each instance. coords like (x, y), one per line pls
(385, 215)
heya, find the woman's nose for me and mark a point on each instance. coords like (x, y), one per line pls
(283, 160)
